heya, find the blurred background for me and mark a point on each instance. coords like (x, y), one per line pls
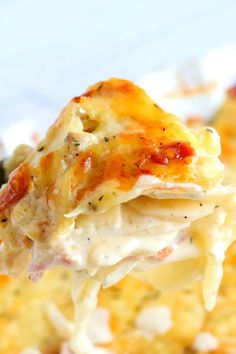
(51, 50)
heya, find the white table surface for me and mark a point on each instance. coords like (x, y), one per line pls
(50, 50)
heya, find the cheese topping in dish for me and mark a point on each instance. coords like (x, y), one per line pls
(118, 186)
(205, 342)
(154, 320)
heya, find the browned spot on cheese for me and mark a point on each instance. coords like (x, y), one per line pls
(128, 164)
(48, 170)
(46, 161)
(4, 280)
(16, 188)
(109, 87)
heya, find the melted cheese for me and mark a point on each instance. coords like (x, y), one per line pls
(117, 186)
(99, 330)
(155, 320)
(205, 342)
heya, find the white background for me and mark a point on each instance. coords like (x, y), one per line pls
(50, 50)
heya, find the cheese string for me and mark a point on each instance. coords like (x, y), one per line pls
(84, 296)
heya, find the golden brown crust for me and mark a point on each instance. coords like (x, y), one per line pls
(17, 187)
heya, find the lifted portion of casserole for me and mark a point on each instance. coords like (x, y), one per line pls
(118, 186)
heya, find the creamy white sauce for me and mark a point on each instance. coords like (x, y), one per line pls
(106, 239)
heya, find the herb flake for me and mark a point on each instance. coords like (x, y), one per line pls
(76, 143)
